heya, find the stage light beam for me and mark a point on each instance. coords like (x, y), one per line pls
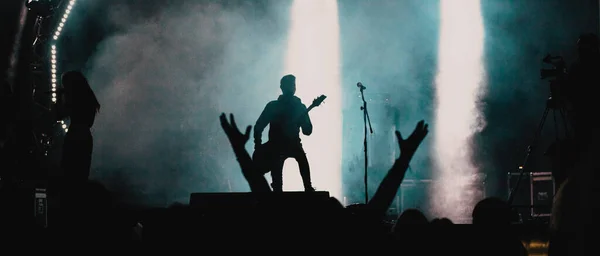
(313, 56)
(459, 82)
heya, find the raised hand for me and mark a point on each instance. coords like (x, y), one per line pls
(409, 146)
(236, 138)
(388, 189)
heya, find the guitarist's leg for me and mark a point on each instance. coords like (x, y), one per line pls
(304, 167)
(277, 174)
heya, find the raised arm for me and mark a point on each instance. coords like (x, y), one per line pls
(390, 184)
(255, 179)
(305, 123)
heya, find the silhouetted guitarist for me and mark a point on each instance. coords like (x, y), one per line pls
(286, 116)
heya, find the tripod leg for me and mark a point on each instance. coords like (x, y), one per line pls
(540, 127)
(530, 148)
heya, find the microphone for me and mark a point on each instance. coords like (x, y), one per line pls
(360, 86)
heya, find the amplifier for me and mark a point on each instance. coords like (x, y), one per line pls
(535, 193)
(542, 194)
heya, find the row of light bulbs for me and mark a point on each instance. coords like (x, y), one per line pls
(53, 51)
(63, 19)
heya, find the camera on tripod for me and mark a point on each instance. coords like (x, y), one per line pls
(558, 70)
(558, 76)
(557, 104)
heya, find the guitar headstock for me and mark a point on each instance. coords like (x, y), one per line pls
(318, 101)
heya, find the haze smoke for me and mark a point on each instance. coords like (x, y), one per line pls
(163, 81)
(391, 47)
(169, 71)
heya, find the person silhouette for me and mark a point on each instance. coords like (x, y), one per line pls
(80, 105)
(285, 117)
(582, 89)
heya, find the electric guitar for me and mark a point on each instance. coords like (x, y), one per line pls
(264, 154)
(316, 102)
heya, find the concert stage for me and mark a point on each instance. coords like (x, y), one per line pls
(246, 200)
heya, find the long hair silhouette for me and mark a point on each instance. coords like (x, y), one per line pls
(82, 96)
(81, 107)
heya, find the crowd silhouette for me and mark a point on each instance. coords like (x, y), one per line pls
(83, 210)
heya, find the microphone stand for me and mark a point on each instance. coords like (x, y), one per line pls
(366, 120)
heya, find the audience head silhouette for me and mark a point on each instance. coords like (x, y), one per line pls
(288, 85)
(78, 92)
(442, 221)
(412, 216)
(492, 211)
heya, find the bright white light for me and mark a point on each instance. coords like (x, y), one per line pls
(459, 82)
(53, 79)
(314, 58)
(53, 71)
(53, 51)
(64, 126)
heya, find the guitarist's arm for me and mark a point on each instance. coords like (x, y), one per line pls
(306, 124)
(263, 120)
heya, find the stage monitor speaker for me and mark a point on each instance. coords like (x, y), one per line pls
(241, 200)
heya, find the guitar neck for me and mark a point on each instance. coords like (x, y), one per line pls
(316, 103)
